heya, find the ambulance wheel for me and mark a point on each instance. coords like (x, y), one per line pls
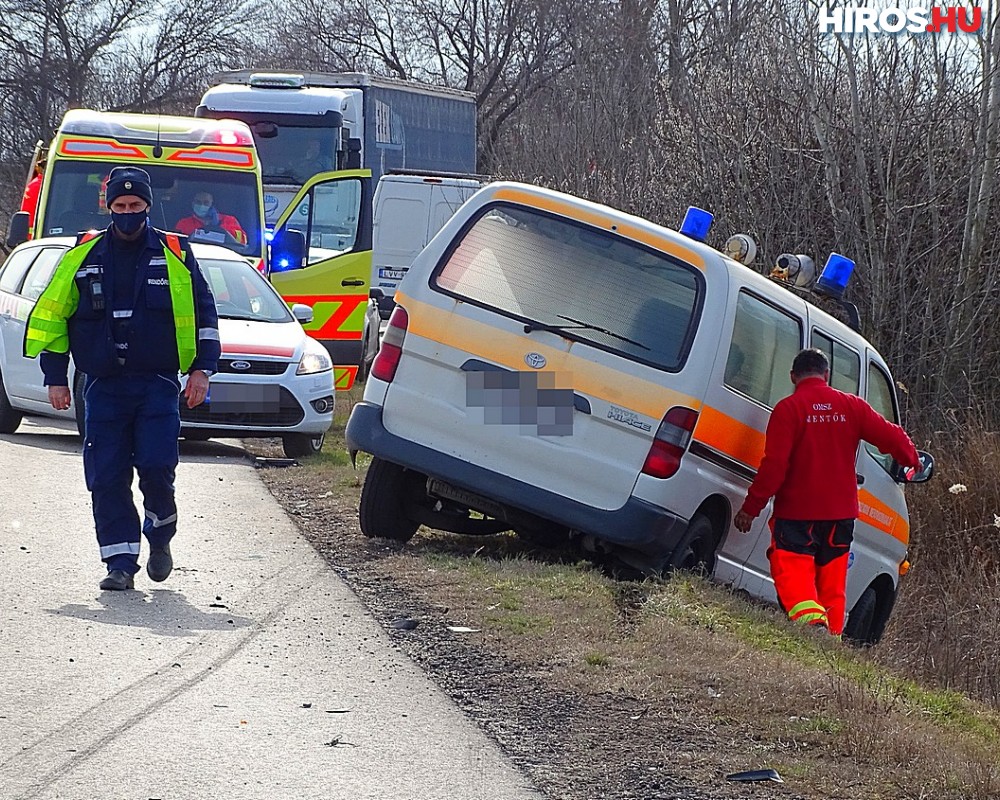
(388, 489)
(79, 410)
(10, 417)
(695, 552)
(861, 627)
(300, 445)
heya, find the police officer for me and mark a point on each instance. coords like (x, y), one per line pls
(133, 308)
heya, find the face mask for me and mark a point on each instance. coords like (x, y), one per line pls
(200, 210)
(128, 223)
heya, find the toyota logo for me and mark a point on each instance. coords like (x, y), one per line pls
(242, 366)
(535, 360)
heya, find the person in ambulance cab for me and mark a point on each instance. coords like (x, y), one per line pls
(808, 467)
(132, 306)
(205, 217)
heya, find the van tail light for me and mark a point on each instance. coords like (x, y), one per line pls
(385, 363)
(670, 442)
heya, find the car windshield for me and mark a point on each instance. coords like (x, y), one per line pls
(241, 292)
(76, 203)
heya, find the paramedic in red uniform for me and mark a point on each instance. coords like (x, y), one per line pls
(205, 217)
(809, 468)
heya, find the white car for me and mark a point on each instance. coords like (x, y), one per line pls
(273, 379)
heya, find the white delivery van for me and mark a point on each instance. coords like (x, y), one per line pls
(409, 208)
(553, 364)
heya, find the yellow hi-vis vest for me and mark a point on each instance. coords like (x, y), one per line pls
(48, 322)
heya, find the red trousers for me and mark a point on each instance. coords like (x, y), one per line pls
(809, 568)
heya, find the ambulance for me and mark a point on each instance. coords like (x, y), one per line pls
(318, 253)
(557, 367)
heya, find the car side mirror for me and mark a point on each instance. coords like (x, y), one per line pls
(17, 233)
(911, 475)
(302, 312)
(288, 250)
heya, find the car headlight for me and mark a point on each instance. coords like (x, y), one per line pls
(314, 359)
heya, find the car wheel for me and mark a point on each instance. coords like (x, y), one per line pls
(300, 445)
(10, 417)
(79, 409)
(860, 627)
(382, 512)
(696, 550)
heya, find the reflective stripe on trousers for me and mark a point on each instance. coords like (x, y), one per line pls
(132, 422)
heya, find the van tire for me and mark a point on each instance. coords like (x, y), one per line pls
(382, 512)
(860, 628)
(695, 552)
(10, 417)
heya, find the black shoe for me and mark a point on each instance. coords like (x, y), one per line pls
(117, 581)
(160, 563)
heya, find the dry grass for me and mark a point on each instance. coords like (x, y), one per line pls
(729, 683)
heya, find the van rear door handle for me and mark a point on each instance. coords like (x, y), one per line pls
(352, 282)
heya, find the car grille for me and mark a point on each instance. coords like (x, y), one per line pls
(257, 367)
(288, 413)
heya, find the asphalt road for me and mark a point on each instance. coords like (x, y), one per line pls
(252, 672)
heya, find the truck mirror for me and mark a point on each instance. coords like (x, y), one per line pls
(17, 233)
(376, 294)
(288, 250)
(353, 154)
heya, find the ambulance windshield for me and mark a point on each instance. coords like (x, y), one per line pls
(214, 206)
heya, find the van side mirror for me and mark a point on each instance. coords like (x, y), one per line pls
(288, 250)
(375, 294)
(910, 475)
(17, 233)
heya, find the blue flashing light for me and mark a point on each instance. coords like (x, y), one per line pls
(697, 221)
(268, 235)
(836, 274)
(283, 263)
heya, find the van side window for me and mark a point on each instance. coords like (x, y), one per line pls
(589, 284)
(14, 269)
(41, 272)
(881, 397)
(765, 342)
(845, 364)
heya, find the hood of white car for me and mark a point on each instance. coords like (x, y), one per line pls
(242, 339)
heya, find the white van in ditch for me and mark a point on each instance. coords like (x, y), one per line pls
(522, 377)
(409, 208)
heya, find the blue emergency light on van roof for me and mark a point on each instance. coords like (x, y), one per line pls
(835, 276)
(697, 221)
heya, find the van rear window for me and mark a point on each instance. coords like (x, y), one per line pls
(592, 285)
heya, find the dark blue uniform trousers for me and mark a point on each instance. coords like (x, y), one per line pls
(132, 421)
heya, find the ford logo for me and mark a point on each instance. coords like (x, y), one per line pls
(535, 360)
(242, 366)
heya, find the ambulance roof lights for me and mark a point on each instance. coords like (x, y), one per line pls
(232, 136)
(742, 248)
(835, 276)
(143, 128)
(277, 80)
(696, 223)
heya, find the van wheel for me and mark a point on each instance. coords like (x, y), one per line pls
(382, 513)
(861, 625)
(301, 445)
(696, 550)
(10, 417)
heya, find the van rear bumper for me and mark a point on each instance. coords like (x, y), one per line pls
(637, 524)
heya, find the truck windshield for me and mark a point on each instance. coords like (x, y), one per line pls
(75, 202)
(292, 154)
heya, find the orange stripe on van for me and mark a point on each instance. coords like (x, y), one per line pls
(730, 436)
(605, 221)
(881, 516)
(501, 347)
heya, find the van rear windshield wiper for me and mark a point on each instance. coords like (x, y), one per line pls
(578, 325)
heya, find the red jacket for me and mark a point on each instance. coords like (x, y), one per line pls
(811, 449)
(29, 202)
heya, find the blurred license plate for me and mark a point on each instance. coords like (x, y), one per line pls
(240, 398)
(392, 274)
